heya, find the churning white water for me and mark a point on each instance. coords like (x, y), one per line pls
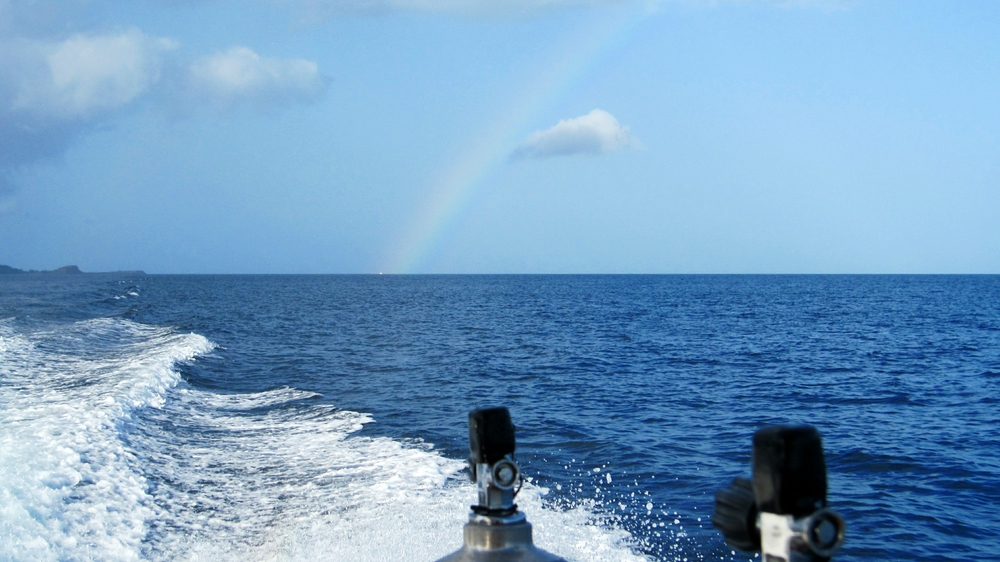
(106, 454)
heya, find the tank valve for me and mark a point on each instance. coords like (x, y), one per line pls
(496, 531)
(782, 511)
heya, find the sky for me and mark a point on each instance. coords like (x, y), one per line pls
(488, 136)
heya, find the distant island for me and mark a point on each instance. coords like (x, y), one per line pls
(64, 270)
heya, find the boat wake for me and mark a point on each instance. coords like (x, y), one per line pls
(108, 454)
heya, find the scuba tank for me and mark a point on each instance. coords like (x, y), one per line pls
(496, 531)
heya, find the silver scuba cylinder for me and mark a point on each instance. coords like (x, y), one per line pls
(496, 531)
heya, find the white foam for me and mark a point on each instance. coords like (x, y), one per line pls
(105, 454)
(293, 484)
(66, 488)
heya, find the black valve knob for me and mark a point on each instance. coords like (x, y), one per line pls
(789, 472)
(736, 515)
(491, 437)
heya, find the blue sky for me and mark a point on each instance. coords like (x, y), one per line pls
(528, 136)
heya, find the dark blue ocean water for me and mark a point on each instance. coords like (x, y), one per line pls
(217, 409)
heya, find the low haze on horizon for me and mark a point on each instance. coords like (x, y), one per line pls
(528, 136)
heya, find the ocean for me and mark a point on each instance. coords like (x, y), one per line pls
(163, 417)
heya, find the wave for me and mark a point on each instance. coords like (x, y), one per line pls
(106, 453)
(68, 488)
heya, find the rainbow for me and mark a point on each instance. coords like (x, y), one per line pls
(454, 186)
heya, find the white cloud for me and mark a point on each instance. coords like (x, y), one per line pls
(314, 10)
(318, 9)
(241, 75)
(52, 91)
(85, 75)
(593, 133)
